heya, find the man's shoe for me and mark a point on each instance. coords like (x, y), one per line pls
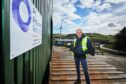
(77, 82)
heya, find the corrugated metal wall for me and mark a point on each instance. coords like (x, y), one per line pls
(29, 67)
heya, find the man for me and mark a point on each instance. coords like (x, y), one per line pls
(81, 47)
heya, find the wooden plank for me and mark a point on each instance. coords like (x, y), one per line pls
(68, 59)
(93, 77)
(74, 63)
(117, 81)
(63, 71)
(93, 61)
(89, 67)
(73, 66)
(91, 72)
(73, 69)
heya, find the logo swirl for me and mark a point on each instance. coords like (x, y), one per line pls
(15, 9)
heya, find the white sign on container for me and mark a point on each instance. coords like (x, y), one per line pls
(25, 27)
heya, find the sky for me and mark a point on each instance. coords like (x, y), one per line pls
(105, 17)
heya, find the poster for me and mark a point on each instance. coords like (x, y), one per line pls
(25, 27)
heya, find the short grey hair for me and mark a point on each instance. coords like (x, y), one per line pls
(79, 29)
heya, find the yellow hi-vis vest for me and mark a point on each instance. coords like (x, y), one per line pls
(84, 43)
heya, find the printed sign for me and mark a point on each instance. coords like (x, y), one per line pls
(25, 27)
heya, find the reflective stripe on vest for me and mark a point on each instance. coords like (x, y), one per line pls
(84, 43)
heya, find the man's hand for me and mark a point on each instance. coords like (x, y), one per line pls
(80, 53)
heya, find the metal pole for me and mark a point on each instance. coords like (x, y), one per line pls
(61, 29)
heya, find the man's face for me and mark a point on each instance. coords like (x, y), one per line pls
(79, 33)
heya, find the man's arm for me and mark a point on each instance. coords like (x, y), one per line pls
(71, 47)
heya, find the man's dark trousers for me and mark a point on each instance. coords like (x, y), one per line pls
(85, 69)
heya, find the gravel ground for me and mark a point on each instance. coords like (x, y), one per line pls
(116, 60)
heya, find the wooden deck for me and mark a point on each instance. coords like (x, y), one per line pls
(63, 71)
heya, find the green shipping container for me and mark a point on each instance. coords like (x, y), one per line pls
(30, 67)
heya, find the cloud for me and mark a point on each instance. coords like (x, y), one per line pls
(86, 3)
(104, 23)
(96, 18)
(115, 1)
(105, 6)
(64, 10)
(96, 21)
(94, 5)
(121, 10)
(111, 25)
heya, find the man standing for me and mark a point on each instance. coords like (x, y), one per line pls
(81, 47)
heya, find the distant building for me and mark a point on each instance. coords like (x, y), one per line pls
(63, 42)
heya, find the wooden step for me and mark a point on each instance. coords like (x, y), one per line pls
(93, 77)
(80, 64)
(73, 66)
(72, 60)
(91, 72)
(74, 63)
(63, 70)
(93, 61)
(89, 67)
(117, 81)
(73, 69)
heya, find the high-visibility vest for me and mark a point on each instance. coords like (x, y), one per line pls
(84, 43)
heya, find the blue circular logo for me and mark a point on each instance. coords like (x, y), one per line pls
(15, 9)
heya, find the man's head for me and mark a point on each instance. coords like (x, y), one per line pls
(79, 32)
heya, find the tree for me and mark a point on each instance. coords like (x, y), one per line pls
(120, 43)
